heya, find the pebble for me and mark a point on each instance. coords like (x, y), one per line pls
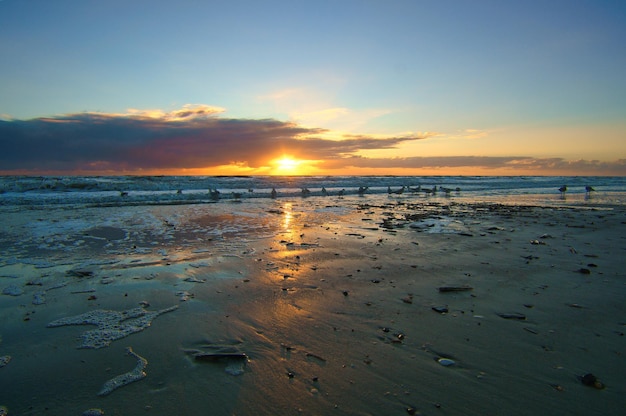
(463, 288)
(184, 296)
(4, 360)
(590, 380)
(39, 298)
(93, 412)
(513, 315)
(446, 362)
(440, 309)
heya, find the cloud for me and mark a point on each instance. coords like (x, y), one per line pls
(198, 137)
(193, 137)
(514, 164)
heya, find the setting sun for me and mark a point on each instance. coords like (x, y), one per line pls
(286, 165)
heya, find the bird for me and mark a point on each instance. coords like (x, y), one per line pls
(324, 191)
(306, 192)
(215, 194)
(273, 193)
(589, 188)
(562, 189)
(362, 190)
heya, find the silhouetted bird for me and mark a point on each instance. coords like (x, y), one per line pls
(273, 193)
(399, 191)
(215, 194)
(589, 189)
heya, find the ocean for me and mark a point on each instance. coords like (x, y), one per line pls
(36, 191)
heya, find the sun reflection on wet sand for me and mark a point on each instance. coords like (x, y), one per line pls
(287, 219)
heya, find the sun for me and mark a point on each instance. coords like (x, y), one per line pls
(286, 165)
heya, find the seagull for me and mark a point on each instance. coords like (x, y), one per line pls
(562, 189)
(306, 192)
(324, 191)
(215, 194)
(589, 188)
(273, 193)
(362, 190)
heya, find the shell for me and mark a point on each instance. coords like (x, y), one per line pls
(446, 362)
(93, 412)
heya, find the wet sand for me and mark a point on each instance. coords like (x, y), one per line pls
(334, 302)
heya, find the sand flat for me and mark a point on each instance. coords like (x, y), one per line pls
(331, 302)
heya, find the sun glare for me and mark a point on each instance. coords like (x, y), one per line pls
(287, 165)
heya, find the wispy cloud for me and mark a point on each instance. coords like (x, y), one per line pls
(513, 164)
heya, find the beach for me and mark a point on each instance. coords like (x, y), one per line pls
(388, 305)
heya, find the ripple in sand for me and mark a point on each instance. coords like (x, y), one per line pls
(112, 325)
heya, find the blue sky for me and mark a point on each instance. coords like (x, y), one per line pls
(539, 80)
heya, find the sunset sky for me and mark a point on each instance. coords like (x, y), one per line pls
(469, 87)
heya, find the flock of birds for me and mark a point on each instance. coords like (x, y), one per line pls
(588, 190)
(215, 194)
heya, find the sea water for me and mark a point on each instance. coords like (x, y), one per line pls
(163, 190)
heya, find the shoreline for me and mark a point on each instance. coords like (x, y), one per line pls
(332, 303)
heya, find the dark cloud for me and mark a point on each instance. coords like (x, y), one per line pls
(196, 137)
(188, 138)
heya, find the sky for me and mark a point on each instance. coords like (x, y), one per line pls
(338, 87)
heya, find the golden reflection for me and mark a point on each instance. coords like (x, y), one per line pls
(288, 218)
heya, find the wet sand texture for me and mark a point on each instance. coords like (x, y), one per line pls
(315, 306)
